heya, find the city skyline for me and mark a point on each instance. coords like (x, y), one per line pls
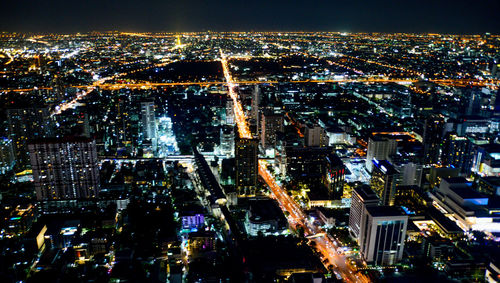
(183, 157)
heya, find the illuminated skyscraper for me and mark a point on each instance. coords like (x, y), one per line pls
(148, 120)
(6, 155)
(227, 140)
(361, 198)
(315, 135)
(433, 138)
(255, 104)
(271, 123)
(457, 152)
(167, 144)
(335, 176)
(229, 112)
(65, 168)
(27, 124)
(382, 235)
(379, 148)
(384, 181)
(246, 155)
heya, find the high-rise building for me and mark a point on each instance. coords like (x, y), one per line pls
(379, 148)
(6, 155)
(362, 197)
(255, 104)
(58, 86)
(246, 157)
(384, 181)
(473, 98)
(167, 145)
(27, 124)
(315, 136)
(148, 120)
(227, 140)
(433, 138)
(229, 112)
(335, 176)
(411, 174)
(271, 123)
(457, 152)
(382, 235)
(306, 164)
(65, 168)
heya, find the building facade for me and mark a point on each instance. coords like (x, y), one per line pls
(382, 235)
(26, 124)
(384, 181)
(246, 157)
(379, 148)
(361, 198)
(65, 168)
(271, 123)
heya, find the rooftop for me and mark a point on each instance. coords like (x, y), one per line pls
(384, 211)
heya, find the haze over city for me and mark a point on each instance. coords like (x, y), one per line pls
(427, 16)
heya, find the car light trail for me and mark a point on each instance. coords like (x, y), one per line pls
(239, 115)
(325, 244)
(296, 216)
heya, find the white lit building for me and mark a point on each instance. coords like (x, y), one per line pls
(148, 120)
(166, 142)
(361, 198)
(382, 235)
(6, 155)
(379, 148)
(469, 209)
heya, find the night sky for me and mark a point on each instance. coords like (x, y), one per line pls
(458, 16)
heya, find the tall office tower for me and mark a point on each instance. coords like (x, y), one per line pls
(457, 152)
(65, 168)
(362, 197)
(270, 123)
(227, 140)
(246, 157)
(255, 104)
(315, 135)
(148, 120)
(384, 181)
(26, 124)
(382, 235)
(473, 98)
(306, 164)
(230, 112)
(409, 166)
(58, 86)
(379, 148)
(335, 176)
(121, 128)
(167, 145)
(411, 174)
(433, 135)
(6, 155)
